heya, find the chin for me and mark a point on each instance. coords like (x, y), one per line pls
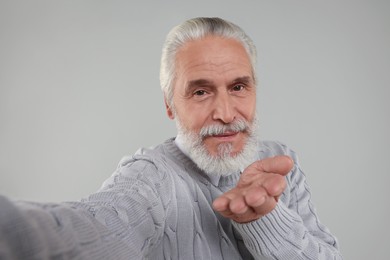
(225, 149)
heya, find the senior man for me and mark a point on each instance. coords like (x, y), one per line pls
(213, 192)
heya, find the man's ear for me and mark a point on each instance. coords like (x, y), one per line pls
(170, 113)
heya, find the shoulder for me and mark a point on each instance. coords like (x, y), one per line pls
(146, 165)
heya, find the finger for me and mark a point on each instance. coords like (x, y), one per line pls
(221, 204)
(281, 164)
(266, 207)
(238, 205)
(256, 196)
(246, 217)
(275, 185)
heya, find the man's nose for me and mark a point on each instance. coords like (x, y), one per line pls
(224, 109)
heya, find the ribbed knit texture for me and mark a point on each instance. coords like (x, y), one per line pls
(157, 205)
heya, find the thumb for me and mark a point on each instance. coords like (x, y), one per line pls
(280, 164)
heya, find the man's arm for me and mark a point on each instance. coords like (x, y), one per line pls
(274, 227)
(124, 220)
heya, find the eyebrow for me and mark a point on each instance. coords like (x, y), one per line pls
(208, 83)
(193, 84)
(245, 80)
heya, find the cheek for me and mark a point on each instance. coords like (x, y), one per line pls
(251, 108)
(247, 110)
(190, 120)
(196, 118)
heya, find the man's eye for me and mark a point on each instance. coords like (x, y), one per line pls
(238, 88)
(199, 93)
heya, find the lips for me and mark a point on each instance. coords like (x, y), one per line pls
(226, 135)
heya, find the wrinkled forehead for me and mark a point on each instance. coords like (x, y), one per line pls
(213, 54)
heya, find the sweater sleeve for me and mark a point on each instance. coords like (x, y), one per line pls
(124, 220)
(292, 230)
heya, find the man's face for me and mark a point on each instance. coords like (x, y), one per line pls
(214, 85)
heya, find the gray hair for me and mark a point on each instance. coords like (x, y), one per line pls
(194, 29)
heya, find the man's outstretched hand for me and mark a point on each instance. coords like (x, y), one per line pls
(257, 191)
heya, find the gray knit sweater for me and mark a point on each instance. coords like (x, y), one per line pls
(157, 205)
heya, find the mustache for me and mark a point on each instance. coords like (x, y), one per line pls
(239, 125)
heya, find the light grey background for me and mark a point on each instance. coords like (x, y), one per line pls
(79, 89)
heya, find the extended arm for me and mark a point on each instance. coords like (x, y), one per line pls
(124, 220)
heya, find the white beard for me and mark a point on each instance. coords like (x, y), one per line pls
(224, 163)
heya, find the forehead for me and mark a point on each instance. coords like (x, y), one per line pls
(210, 57)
